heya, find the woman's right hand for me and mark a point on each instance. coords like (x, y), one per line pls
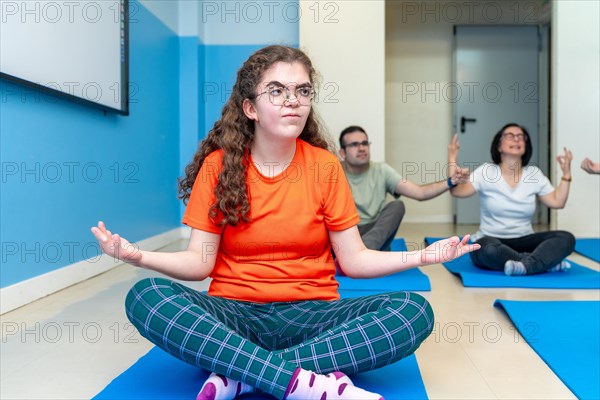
(116, 246)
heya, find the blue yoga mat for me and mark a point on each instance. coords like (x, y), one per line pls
(589, 248)
(158, 375)
(579, 277)
(410, 280)
(565, 334)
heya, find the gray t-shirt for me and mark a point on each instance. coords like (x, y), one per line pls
(370, 188)
(506, 212)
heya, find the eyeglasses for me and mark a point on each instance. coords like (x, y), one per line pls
(303, 95)
(515, 137)
(355, 145)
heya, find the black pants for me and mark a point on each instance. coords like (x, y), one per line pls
(538, 252)
(379, 235)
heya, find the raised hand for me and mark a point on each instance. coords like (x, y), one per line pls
(590, 167)
(564, 161)
(447, 250)
(453, 148)
(116, 246)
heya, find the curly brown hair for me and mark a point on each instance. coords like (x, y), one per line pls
(234, 133)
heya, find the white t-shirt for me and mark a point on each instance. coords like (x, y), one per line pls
(506, 212)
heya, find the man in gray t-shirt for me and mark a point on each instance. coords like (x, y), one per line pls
(371, 182)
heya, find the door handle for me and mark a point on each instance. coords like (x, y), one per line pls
(463, 121)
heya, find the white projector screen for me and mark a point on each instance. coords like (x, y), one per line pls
(78, 49)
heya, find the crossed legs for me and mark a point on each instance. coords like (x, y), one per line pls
(538, 252)
(263, 345)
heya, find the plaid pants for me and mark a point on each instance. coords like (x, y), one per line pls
(263, 344)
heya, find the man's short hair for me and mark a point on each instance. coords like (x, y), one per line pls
(350, 129)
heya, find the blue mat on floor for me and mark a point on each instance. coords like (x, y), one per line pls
(565, 335)
(589, 248)
(579, 277)
(157, 375)
(410, 280)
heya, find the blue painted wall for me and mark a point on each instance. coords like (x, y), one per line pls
(65, 165)
(190, 113)
(222, 64)
(229, 33)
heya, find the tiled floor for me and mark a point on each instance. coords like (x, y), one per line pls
(73, 343)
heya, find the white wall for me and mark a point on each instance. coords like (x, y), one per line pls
(419, 53)
(576, 100)
(345, 40)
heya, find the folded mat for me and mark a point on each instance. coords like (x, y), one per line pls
(158, 375)
(589, 248)
(410, 280)
(578, 277)
(565, 334)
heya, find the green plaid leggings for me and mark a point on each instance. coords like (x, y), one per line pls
(263, 344)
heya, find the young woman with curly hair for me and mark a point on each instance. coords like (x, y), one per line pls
(266, 201)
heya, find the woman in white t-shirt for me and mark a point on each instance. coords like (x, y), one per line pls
(508, 189)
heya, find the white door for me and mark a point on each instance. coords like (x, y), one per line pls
(496, 76)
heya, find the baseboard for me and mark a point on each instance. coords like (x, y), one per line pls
(25, 292)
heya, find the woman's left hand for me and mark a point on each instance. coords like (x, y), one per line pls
(564, 160)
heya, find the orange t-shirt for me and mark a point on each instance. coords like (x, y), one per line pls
(283, 253)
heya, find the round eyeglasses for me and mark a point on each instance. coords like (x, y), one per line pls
(280, 94)
(515, 137)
